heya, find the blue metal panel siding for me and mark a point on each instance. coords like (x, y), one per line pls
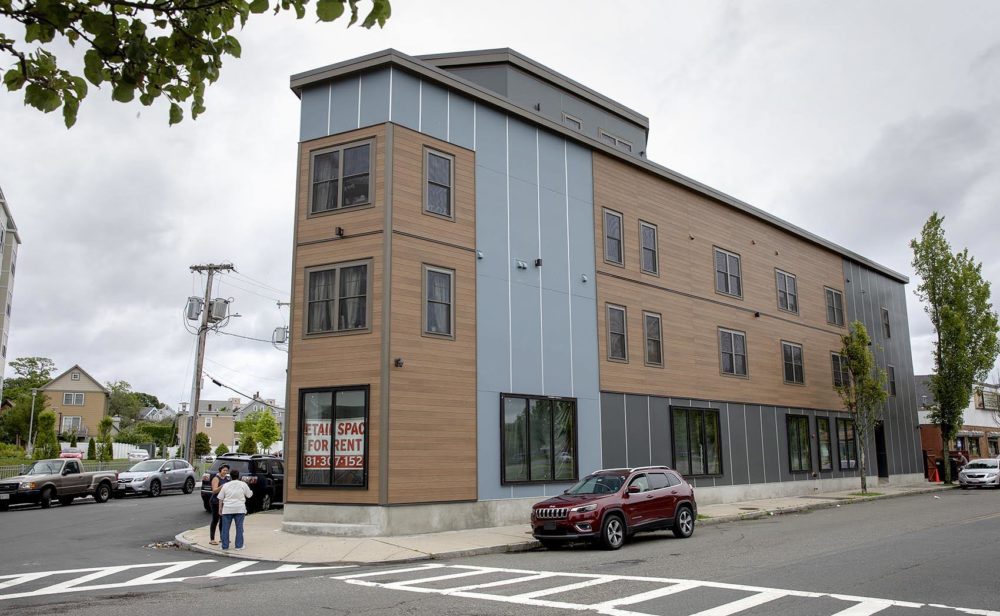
(613, 441)
(557, 366)
(755, 444)
(524, 230)
(344, 96)
(375, 97)
(461, 122)
(405, 99)
(526, 339)
(554, 249)
(491, 141)
(637, 430)
(736, 440)
(315, 106)
(434, 111)
(589, 435)
(659, 432)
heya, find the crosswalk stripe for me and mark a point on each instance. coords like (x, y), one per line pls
(646, 596)
(161, 575)
(231, 569)
(22, 578)
(566, 588)
(865, 608)
(734, 607)
(389, 572)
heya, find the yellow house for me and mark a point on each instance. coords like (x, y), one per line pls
(78, 400)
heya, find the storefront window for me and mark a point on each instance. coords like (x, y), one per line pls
(539, 439)
(696, 439)
(333, 437)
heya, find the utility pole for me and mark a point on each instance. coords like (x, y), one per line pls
(211, 268)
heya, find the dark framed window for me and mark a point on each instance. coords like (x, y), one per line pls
(333, 437)
(974, 450)
(617, 333)
(439, 291)
(439, 182)
(799, 444)
(728, 279)
(834, 306)
(697, 441)
(847, 444)
(841, 376)
(538, 439)
(733, 352)
(650, 250)
(341, 177)
(654, 339)
(886, 329)
(613, 252)
(791, 357)
(788, 295)
(337, 298)
(825, 439)
(891, 373)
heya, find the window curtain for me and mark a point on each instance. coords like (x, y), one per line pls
(353, 289)
(438, 303)
(321, 293)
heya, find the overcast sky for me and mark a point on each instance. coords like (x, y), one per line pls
(853, 120)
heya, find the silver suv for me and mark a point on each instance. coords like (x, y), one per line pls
(152, 477)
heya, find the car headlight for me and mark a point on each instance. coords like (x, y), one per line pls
(584, 508)
(28, 485)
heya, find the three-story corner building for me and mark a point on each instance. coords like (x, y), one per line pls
(10, 241)
(495, 293)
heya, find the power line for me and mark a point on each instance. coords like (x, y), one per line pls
(257, 282)
(252, 398)
(244, 337)
(253, 376)
(251, 291)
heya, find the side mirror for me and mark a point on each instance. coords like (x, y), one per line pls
(634, 489)
(163, 470)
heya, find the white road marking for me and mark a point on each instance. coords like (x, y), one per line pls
(160, 575)
(861, 606)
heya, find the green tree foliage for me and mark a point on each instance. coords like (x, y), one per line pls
(29, 373)
(105, 447)
(11, 451)
(91, 449)
(140, 48)
(258, 430)
(46, 443)
(957, 300)
(221, 449)
(863, 392)
(149, 400)
(202, 446)
(163, 434)
(123, 402)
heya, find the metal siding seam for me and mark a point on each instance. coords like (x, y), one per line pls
(390, 95)
(329, 107)
(420, 106)
(729, 440)
(447, 116)
(746, 443)
(359, 102)
(649, 432)
(474, 125)
(541, 307)
(569, 278)
(383, 478)
(510, 317)
(625, 419)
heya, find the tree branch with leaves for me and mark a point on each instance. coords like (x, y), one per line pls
(145, 49)
(863, 391)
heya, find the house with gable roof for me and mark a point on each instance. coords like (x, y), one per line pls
(78, 400)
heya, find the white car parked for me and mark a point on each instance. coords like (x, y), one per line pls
(138, 455)
(984, 472)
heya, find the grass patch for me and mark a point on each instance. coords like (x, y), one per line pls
(702, 516)
(863, 495)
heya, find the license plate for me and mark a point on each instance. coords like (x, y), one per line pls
(4, 496)
(550, 526)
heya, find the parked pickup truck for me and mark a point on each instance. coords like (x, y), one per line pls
(49, 480)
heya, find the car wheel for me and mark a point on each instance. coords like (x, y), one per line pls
(154, 489)
(65, 501)
(265, 502)
(189, 485)
(612, 532)
(684, 523)
(46, 499)
(4, 505)
(550, 544)
(102, 493)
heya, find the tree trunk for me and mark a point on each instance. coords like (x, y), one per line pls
(947, 464)
(864, 471)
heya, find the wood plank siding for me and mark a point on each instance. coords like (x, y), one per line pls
(689, 226)
(432, 437)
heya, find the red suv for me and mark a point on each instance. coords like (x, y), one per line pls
(609, 506)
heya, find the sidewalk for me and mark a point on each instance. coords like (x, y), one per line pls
(266, 540)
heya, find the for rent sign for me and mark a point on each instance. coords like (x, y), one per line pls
(343, 439)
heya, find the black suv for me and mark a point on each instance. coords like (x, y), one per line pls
(264, 474)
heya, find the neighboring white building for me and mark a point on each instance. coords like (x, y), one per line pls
(980, 431)
(9, 243)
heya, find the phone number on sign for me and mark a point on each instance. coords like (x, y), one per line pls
(339, 462)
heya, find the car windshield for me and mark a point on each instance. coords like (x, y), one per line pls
(982, 464)
(44, 467)
(597, 484)
(71, 450)
(243, 466)
(149, 466)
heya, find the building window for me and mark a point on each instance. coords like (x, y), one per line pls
(75, 376)
(892, 380)
(650, 250)
(791, 356)
(538, 439)
(341, 177)
(613, 238)
(825, 444)
(841, 375)
(439, 289)
(974, 451)
(208, 422)
(572, 122)
(654, 339)
(733, 352)
(788, 295)
(728, 279)
(338, 298)
(834, 307)
(847, 444)
(73, 399)
(696, 438)
(886, 330)
(993, 443)
(439, 181)
(617, 142)
(617, 337)
(799, 444)
(71, 423)
(334, 428)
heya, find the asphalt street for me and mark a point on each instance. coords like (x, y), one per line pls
(911, 555)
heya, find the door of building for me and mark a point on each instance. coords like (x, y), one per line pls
(881, 458)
